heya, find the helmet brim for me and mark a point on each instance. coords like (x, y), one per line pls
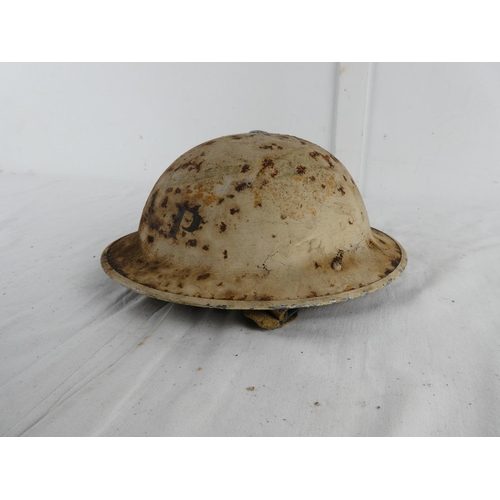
(128, 273)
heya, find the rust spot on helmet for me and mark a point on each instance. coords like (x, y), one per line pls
(222, 227)
(178, 190)
(164, 202)
(266, 297)
(191, 243)
(266, 163)
(245, 168)
(323, 186)
(337, 261)
(203, 276)
(312, 178)
(151, 208)
(341, 190)
(316, 265)
(234, 211)
(150, 239)
(301, 170)
(225, 254)
(328, 159)
(395, 263)
(314, 155)
(221, 200)
(205, 247)
(243, 185)
(271, 146)
(345, 178)
(230, 196)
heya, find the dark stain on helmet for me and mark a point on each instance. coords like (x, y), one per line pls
(271, 146)
(266, 297)
(225, 254)
(191, 243)
(395, 263)
(341, 190)
(203, 276)
(205, 247)
(314, 155)
(266, 163)
(177, 191)
(234, 211)
(164, 202)
(327, 158)
(151, 208)
(150, 239)
(301, 170)
(337, 261)
(223, 227)
(243, 185)
(245, 168)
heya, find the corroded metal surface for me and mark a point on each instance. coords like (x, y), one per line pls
(255, 221)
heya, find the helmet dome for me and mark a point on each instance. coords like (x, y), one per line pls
(255, 221)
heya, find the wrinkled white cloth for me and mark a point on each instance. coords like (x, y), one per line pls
(82, 356)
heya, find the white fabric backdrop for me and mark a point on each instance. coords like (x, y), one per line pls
(80, 355)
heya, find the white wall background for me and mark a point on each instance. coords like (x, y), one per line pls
(134, 120)
(399, 128)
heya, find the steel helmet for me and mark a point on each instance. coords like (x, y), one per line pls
(255, 221)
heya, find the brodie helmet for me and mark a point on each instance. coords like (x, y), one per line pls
(257, 222)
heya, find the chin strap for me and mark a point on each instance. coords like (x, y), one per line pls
(273, 318)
